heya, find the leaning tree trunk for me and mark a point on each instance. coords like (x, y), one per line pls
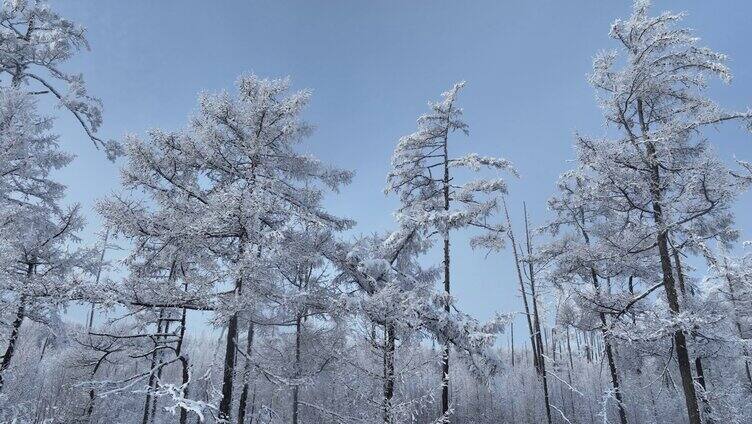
(11, 349)
(669, 285)
(90, 321)
(536, 320)
(523, 292)
(15, 330)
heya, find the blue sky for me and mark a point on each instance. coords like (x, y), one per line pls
(372, 67)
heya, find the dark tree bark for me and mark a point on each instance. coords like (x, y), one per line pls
(15, 330)
(11, 349)
(389, 346)
(183, 361)
(228, 373)
(247, 376)
(296, 388)
(511, 330)
(445, 349)
(90, 321)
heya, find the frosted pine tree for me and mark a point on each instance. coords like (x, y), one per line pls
(396, 295)
(39, 270)
(423, 175)
(34, 43)
(230, 183)
(656, 172)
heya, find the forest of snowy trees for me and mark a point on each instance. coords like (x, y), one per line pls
(635, 291)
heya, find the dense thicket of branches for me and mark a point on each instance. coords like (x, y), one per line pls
(240, 298)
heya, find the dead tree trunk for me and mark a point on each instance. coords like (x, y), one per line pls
(536, 319)
(523, 292)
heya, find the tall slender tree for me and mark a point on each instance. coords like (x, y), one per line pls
(423, 175)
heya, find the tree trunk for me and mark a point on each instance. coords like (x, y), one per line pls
(11, 349)
(92, 395)
(15, 329)
(705, 404)
(569, 350)
(745, 351)
(184, 362)
(604, 331)
(388, 373)
(536, 321)
(165, 330)
(680, 341)
(228, 374)
(247, 376)
(296, 387)
(523, 292)
(90, 321)
(511, 330)
(445, 349)
(610, 356)
(147, 401)
(698, 360)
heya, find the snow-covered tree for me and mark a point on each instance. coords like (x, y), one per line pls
(656, 173)
(39, 267)
(423, 175)
(228, 186)
(396, 294)
(34, 43)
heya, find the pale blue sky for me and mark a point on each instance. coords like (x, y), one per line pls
(372, 66)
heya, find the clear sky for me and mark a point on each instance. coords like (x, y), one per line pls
(373, 65)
